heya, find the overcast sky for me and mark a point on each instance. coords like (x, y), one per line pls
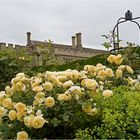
(58, 20)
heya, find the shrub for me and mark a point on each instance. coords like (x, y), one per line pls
(120, 117)
(57, 104)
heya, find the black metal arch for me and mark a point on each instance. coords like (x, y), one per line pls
(128, 17)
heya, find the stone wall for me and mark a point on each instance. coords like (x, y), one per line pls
(61, 52)
(4, 46)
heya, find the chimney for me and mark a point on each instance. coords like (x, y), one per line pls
(28, 38)
(73, 42)
(78, 40)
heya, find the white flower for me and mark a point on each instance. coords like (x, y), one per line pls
(2, 94)
(107, 93)
(39, 113)
(29, 109)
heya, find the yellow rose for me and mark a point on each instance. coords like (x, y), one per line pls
(28, 120)
(102, 74)
(38, 122)
(20, 75)
(12, 115)
(122, 67)
(118, 59)
(75, 90)
(129, 69)
(109, 72)
(75, 74)
(20, 86)
(131, 81)
(57, 83)
(64, 97)
(15, 80)
(62, 78)
(35, 81)
(20, 116)
(90, 68)
(86, 108)
(24, 79)
(8, 91)
(68, 84)
(119, 73)
(47, 86)
(110, 59)
(20, 107)
(90, 84)
(22, 135)
(49, 102)
(7, 103)
(38, 89)
(99, 67)
(93, 111)
(83, 75)
(107, 93)
(40, 97)
(2, 95)
(2, 111)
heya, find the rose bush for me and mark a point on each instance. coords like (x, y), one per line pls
(56, 104)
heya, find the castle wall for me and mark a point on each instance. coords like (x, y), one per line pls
(10, 46)
(61, 52)
(72, 53)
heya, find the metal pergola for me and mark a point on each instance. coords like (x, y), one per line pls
(128, 17)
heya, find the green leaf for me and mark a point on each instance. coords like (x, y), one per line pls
(65, 117)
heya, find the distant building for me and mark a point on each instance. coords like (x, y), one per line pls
(60, 52)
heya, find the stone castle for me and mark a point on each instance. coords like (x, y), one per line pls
(60, 52)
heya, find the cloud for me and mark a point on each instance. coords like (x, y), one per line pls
(59, 20)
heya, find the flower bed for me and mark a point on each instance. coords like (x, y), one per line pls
(57, 104)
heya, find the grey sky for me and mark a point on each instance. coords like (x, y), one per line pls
(58, 20)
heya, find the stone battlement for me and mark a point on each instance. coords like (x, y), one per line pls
(4, 46)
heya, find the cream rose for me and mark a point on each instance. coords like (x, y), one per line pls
(7, 103)
(20, 86)
(109, 72)
(49, 102)
(38, 89)
(68, 84)
(118, 59)
(86, 108)
(102, 74)
(22, 135)
(64, 97)
(47, 86)
(38, 122)
(12, 115)
(20, 107)
(119, 73)
(93, 111)
(129, 69)
(40, 97)
(107, 93)
(110, 59)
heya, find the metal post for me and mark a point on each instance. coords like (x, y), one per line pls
(128, 17)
